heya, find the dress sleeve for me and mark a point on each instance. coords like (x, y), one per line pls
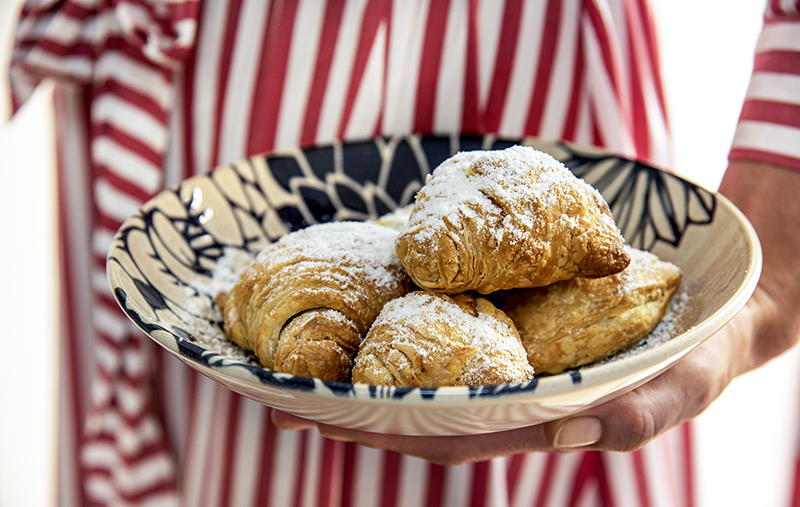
(769, 125)
(83, 41)
(116, 64)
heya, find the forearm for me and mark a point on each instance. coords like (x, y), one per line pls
(769, 195)
(763, 180)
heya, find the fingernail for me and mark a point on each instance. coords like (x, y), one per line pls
(578, 432)
(338, 438)
(325, 433)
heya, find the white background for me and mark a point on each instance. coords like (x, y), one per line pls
(746, 439)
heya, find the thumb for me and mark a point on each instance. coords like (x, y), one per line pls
(636, 418)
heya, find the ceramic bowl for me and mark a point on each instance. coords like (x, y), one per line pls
(168, 260)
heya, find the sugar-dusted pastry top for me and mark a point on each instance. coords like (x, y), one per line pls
(396, 219)
(576, 322)
(348, 268)
(492, 220)
(430, 340)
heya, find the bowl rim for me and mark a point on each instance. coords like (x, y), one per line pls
(456, 396)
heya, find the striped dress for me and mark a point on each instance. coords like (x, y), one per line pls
(151, 92)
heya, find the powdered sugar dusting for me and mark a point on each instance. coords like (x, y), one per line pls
(496, 347)
(396, 219)
(201, 314)
(477, 184)
(641, 260)
(666, 329)
(227, 271)
(365, 248)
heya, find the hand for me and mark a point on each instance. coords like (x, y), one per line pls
(767, 326)
(623, 424)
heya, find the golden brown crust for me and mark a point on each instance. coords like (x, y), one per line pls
(349, 268)
(318, 343)
(575, 322)
(491, 220)
(431, 340)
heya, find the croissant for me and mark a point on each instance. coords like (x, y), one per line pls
(575, 322)
(491, 220)
(430, 340)
(308, 299)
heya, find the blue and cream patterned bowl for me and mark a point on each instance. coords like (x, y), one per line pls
(170, 258)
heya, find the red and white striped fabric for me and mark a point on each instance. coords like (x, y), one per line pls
(117, 65)
(155, 91)
(769, 126)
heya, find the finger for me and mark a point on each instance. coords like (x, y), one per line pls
(633, 420)
(448, 450)
(289, 422)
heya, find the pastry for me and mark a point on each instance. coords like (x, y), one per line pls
(309, 298)
(575, 322)
(431, 340)
(491, 220)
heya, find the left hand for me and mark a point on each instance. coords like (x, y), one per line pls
(767, 326)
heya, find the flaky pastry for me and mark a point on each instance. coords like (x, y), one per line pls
(491, 220)
(309, 298)
(431, 340)
(576, 322)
